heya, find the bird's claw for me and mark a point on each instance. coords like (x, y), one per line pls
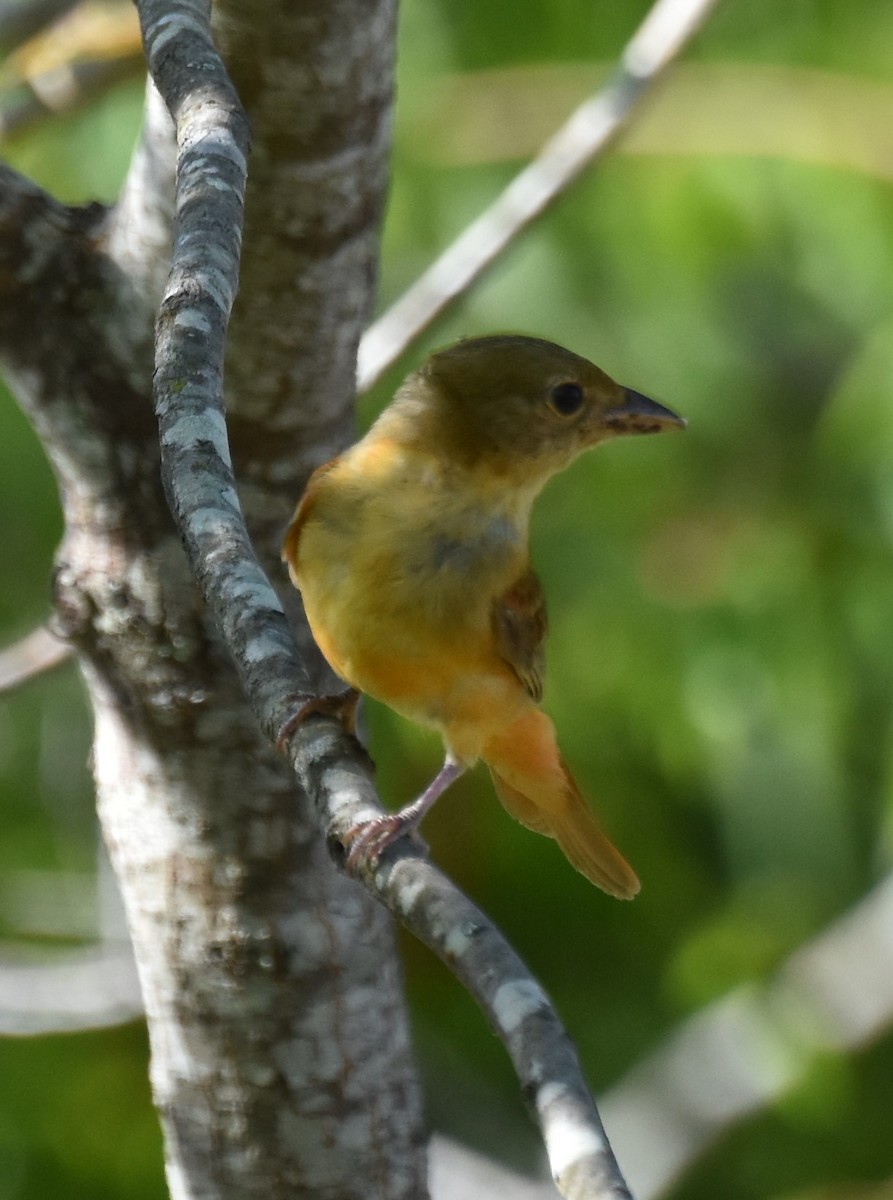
(342, 705)
(366, 842)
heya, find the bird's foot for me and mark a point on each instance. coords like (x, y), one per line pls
(342, 705)
(366, 843)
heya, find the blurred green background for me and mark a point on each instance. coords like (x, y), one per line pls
(721, 647)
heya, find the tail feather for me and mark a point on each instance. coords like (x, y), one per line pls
(536, 787)
(519, 806)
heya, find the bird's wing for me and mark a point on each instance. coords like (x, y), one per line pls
(519, 627)
(305, 504)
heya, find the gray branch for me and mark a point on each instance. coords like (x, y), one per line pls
(440, 916)
(35, 654)
(212, 135)
(586, 135)
(276, 1017)
(68, 992)
(22, 19)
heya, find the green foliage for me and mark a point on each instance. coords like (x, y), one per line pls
(720, 658)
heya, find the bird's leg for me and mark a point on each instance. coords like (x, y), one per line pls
(369, 840)
(342, 705)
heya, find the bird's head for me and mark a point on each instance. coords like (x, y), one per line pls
(524, 404)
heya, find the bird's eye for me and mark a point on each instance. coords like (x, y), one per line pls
(566, 399)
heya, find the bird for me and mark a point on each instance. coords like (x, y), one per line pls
(411, 554)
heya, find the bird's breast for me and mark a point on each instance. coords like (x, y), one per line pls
(454, 546)
(398, 583)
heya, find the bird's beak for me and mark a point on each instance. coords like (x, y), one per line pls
(638, 414)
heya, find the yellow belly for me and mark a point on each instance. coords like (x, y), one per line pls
(460, 688)
(398, 585)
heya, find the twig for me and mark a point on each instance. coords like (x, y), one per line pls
(431, 907)
(735, 1057)
(591, 129)
(74, 990)
(22, 19)
(198, 478)
(458, 1173)
(34, 654)
(63, 89)
(212, 135)
(81, 53)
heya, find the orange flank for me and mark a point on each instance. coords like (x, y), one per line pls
(411, 554)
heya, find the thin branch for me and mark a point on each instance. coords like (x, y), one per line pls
(198, 478)
(737, 1056)
(74, 990)
(22, 19)
(584, 137)
(440, 916)
(35, 654)
(62, 89)
(212, 135)
(459, 1173)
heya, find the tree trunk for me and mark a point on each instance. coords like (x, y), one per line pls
(280, 1055)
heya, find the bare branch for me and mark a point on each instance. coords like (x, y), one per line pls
(71, 991)
(735, 1057)
(586, 135)
(728, 1061)
(521, 1014)
(191, 333)
(35, 654)
(458, 1173)
(22, 19)
(64, 358)
(62, 89)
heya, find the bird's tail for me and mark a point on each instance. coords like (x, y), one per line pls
(535, 786)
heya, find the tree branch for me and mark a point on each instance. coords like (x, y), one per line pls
(584, 138)
(35, 654)
(321, 1019)
(458, 1173)
(665, 1112)
(190, 341)
(739, 1054)
(71, 991)
(73, 336)
(22, 19)
(440, 916)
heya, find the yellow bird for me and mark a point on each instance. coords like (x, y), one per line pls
(411, 552)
